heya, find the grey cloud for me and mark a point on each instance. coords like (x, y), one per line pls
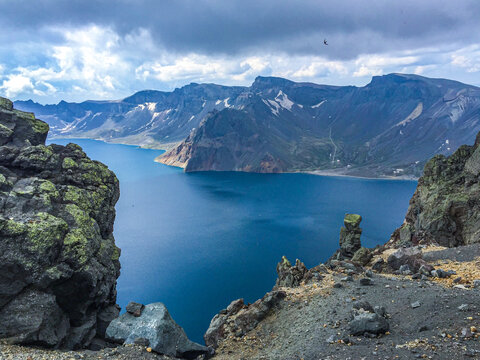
(231, 27)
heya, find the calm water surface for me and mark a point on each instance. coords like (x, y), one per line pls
(198, 241)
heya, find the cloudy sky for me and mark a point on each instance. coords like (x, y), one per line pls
(103, 49)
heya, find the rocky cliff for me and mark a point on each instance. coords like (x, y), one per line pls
(58, 259)
(445, 208)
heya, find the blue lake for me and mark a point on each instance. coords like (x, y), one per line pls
(197, 241)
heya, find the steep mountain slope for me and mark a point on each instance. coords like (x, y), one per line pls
(389, 127)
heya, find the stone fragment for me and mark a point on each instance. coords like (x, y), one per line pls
(366, 281)
(378, 265)
(365, 305)
(135, 308)
(415, 304)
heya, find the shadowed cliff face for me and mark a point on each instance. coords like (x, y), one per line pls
(390, 127)
(58, 259)
(445, 208)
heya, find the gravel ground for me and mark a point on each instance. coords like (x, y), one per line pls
(465, 253)
(127, 352)
(301, 327)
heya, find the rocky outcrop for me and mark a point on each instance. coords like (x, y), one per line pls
(350, 243)
(153, 326)
(58, 259)
(288, 275)
(238, 318)
(445, 208)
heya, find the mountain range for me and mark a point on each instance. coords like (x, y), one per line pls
(390, 127)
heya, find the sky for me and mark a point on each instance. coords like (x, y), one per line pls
(74, 50)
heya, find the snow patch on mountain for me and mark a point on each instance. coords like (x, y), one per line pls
(319, 104)
(284, 101)
(151, 106)
(273, 106)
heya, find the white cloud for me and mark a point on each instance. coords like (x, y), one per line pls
(96, 62)
(16, 84)
(89, 58)
(372, 65)
(467, 58)
(320, 68)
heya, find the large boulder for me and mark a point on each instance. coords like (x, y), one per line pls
(158, 329)
(368, 322)
(58, 259)
(445, 208)
(405, 256)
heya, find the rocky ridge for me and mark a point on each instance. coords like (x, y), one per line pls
(58, 259)
(390, 127)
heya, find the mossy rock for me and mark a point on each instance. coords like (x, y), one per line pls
(6, 104)
(352, 221)
(56, 227)
(69, 163)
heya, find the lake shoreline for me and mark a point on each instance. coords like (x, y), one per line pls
(329, 173)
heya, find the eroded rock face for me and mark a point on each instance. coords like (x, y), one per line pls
(445, 208)
(238, 318)
(288, 275)
(157, 328)
(58, 259)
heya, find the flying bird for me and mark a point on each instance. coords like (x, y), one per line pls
(325, 42)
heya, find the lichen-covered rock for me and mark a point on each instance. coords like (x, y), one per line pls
(156, 326)
(288, 275)
(57, 249)
(445, 208)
